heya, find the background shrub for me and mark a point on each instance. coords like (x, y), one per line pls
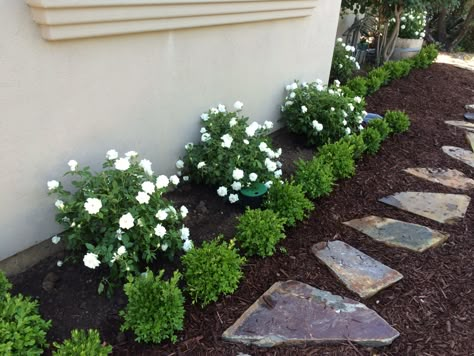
(376, 79)
(155, 308)
(258, 232)
(398, 121)
(372, 140)
(289, 201)
(315, 177)
(382, 127)
(211, 270)
(357, 144)
(426, 57)
(82, 343)
(340, 156)
(357, 86)
(397, 69)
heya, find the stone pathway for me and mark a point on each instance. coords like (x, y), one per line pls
(444, 208)
(448, 177)
(396, 233)
(461, 124)
(460, 154)
(294, 313)
(358, 272)
(470, 139)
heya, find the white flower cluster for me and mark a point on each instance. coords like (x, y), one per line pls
(351, 50)
(412, 25)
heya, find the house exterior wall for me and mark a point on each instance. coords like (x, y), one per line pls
(75, 99)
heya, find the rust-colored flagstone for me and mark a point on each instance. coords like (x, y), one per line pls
(461, 124)
(448, 177)
(294, 313)
(360, 273)
(444, 208)
(470, 139)
(460, 154)
(398, 233)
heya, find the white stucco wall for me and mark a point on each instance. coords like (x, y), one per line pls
(76, 99)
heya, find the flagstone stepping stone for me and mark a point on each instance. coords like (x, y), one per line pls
(294, 313)
(448, 177)
(444, 208)
(360, 273)
(470, 139)
(469, 116)
(460, 154)
(461, 124)
(398, 233)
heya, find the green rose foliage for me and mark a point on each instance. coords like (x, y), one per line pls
(258, 232)
(321, 114)
(113, 214)
(155, 309)
(382, 127)
(372, 140)
(340, 156)
(357, 144)
(212, 270)
(398, 121)
(82, 343)
(22, 330)
(343, 63)
(289, 201)
(315, 176)
(228, 142)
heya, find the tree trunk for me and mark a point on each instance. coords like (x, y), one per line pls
(390, 43)
(442, 34)
(468, 22)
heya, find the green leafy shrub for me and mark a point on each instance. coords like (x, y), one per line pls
(315, 176)
(211, 270)
(22, 330)
(376, 79)
(120, 215)
(397, 69)
(340, 156)
(398, 121)
(155, 309)
(5, 286)
(382, 127)
(289, 201)
(426, 57)
(358, 86)
(372, 140)
(82, 343)
(258, 231)
(343, 62)
(232, 154)
(357, 144)
(321, 114)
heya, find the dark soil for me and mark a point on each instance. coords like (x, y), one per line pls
(431, 307)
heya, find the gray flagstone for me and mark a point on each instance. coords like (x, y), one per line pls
(460, 154)
(448, 177)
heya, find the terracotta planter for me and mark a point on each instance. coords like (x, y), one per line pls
(406, 48)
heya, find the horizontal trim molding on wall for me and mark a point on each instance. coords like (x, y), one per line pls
(71, 19)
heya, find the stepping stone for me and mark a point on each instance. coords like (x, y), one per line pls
(360, 273)
(461, 124)
(444, 208)
(469, 116)
(397, 233)
(294, 313)
(470, 139)
(460, 154)
(447, 177)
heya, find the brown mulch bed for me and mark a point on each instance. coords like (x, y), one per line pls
(431, 307)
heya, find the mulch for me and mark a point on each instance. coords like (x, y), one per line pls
(431, 307)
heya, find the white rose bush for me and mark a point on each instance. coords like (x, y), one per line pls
(344, 62)
(232, 154)
(118, 217)
(321, 114)
(412, 24)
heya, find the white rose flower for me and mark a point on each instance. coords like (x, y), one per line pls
(184, 211)
(361, 127)
(340, 65)
(422, 35)
(72, 165)
(161, 214)
(402, 27)
(214, 111)
(271, 166)
(201, 165)
(59, 204)
(205, 137)
(146, 166)
(246, 141)
(351, 107)
(174, 180)
(359, 119)
(55, 239)
(122, 164)
(162, 182)
(91, 260)
(203, 130)
(293, 86)
(53, 184)
(179, 164)
(221, 108)
(403, 18)
(184, 233)
(143, 198)
(121, 250)
(148, 187)
(279, 164)
(416, 33)
(344, 122)
(253, 177)
(288, 103)
(131, 154)
(160, 230)
(268, 125)
(337, 83)
(339, 40)
(59, 263)
(292, 95)
(357, 65)
(236, 186)
(358, 99)
(185, 178)
(226, 141)
(252, 128)
(233, 198)
(111, 154)
(238, 105)
(222, 191)
(304, 109)
(126, 222)
(263, 146)
(278, 173)
(269, 184)
(330, 91)
(188, 245)
(204, 116)
(348, 48)
(348, 131)
(233, 122)
(317, 126)
(93, 205)
(237, 174)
